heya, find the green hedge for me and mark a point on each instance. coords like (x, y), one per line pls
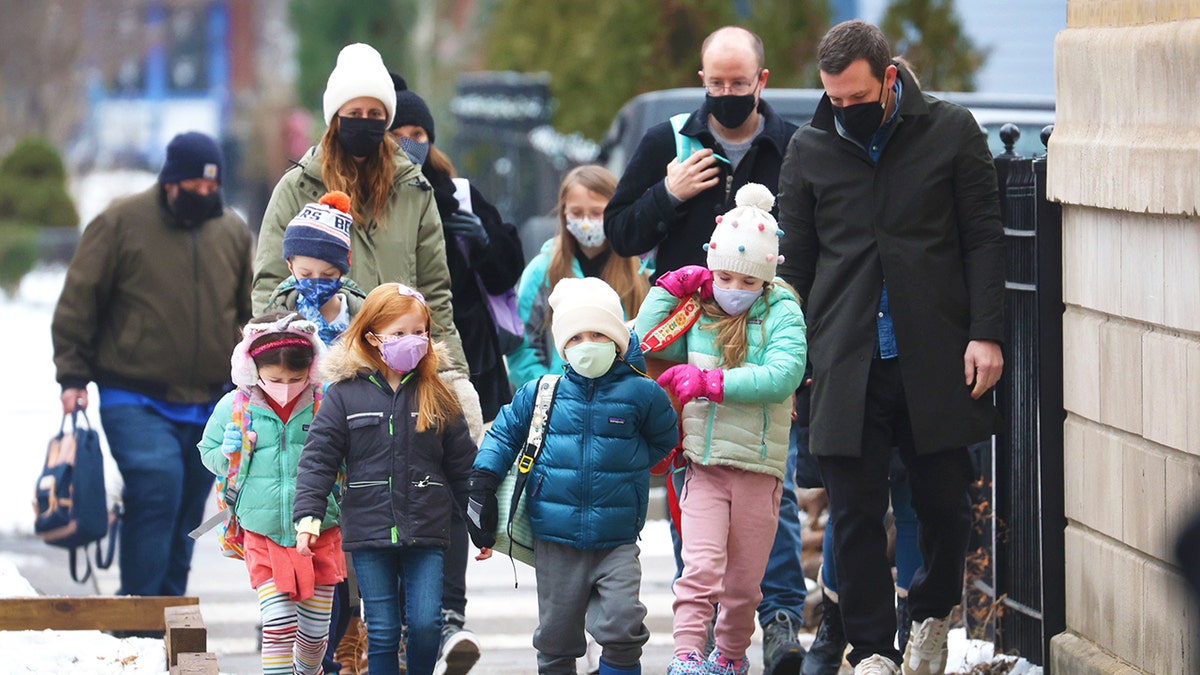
(33, 186)
(18, 253)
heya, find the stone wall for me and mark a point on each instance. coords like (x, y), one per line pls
(1124, 161)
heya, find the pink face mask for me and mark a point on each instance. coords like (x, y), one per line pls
(280, 392)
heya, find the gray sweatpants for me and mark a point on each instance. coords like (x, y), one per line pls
(596, 590)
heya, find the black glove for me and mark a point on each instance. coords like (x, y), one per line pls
(482, 510)
(468, 226)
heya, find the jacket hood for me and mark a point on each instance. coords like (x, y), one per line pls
(339, 364)
(405, 170)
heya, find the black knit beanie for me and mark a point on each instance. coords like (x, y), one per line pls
(411, 109)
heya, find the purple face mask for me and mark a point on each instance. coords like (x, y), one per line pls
(402, 354)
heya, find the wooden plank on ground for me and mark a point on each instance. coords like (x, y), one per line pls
(193, 663)
(124, 613)
(185, 632)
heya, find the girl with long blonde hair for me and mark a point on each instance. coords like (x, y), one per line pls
(739, 359)
(578, 250)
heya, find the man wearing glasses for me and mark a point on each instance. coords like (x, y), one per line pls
(671, 203)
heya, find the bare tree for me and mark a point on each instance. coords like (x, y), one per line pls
(41, 81)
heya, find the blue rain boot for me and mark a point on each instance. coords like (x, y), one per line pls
(606, 669)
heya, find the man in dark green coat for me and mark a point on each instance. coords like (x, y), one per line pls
(892, 237)
(150, 311)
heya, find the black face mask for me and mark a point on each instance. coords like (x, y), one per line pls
(730, 111)
(361, 136)
(861, 120)
(191, 209)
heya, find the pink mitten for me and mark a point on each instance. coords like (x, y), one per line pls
(687, 382)
(687, 280)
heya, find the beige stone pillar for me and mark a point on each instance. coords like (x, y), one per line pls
(1124, 161)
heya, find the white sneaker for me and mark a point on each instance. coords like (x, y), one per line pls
(460, 651)
(876, 664)
(927, 653)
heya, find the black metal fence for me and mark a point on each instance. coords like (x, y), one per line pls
(1027, 495)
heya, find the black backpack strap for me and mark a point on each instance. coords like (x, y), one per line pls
(114, 528)
(87, 574)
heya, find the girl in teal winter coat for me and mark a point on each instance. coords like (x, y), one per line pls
(266, 420)
(578, 250)
(741, 352)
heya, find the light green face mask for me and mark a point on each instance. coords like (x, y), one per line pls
(591, 359)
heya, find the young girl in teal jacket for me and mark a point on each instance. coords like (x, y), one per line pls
(739, 363)
(578, 250)
(274, 368)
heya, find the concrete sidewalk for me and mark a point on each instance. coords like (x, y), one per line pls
(502, 616)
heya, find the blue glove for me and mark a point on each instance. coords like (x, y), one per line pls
(233, 438)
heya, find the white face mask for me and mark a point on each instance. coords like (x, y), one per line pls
(589, 233)
(591, 359)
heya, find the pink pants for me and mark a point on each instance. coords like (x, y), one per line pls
(728, 519)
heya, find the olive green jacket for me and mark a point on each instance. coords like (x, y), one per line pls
(406, 245)
(153, 307)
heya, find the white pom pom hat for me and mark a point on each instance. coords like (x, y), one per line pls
(746, 240)
(359, 72)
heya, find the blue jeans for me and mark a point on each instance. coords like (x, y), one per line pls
(783, 585)
(166, 488)
(380, 572)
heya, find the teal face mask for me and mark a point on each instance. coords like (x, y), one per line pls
(591, 359)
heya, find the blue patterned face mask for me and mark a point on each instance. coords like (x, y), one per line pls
(734, 301)
(415, 150)
(318, 291)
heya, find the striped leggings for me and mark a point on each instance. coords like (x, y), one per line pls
(294, 634)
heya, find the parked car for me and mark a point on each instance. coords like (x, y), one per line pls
(1029, 112)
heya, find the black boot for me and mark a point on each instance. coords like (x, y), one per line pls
(829, 648)
(903, 622)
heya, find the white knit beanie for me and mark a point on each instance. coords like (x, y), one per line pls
(359, 72)
(746, 239)
(586, 305)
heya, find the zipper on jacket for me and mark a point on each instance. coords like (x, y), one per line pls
(196, 292)
(762, 439)
(712, 414)
(728, 186)
(426, 482)
(584, 521)
(366, 483)
(391, 431)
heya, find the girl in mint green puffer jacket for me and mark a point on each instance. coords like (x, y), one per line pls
(740, 360)
(278, 393)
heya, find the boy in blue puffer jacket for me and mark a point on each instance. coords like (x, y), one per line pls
(588, 490)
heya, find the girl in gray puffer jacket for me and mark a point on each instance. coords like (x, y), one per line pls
(403, 439)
